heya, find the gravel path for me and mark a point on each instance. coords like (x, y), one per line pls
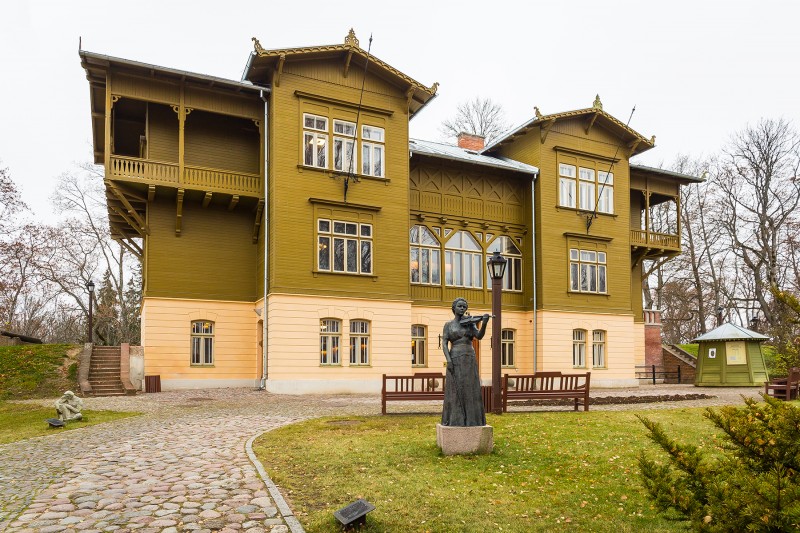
(184, 465)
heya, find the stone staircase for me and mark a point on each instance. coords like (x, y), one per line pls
(104, 371)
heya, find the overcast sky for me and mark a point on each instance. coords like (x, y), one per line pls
(696, 70)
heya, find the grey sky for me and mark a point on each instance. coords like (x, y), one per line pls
(697, 71)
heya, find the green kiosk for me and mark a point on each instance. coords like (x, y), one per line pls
(730, 356)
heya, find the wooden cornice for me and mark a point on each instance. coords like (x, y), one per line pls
(602, 238)
(207, 199)
(348, 205)
(545, 129)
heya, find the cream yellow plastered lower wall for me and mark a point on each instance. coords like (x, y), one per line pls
(555, 345)
(166, 334)
(293, 340)
(638, 346)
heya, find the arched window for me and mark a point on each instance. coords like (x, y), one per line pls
(579, 348)
(507, 348)
(418, 343)
(512, 279)
(425, 256)
(598, 348)
(359, 342)
(330, 338)
(202, 342)
(463, 261)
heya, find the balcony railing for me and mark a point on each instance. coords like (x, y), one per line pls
(157, 172)
(651, 239)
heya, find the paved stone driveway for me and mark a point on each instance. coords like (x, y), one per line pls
(185, 466)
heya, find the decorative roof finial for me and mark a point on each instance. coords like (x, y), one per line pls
(434, 87)
(598, 105)
(653, 139)
(538, 113)
(351, 38)
(257, 45)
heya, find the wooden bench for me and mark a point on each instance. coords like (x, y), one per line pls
(547, 386)
(784, 388)
(420, 386)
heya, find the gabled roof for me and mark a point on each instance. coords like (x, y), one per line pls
(455, 153)
(681, 177)
(730, 332)
(636, 142)
(262, 60)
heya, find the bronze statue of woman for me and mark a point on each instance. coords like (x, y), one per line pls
(463, 405)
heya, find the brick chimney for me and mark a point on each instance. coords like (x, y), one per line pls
(468, 141)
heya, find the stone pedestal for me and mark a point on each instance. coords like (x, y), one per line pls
(456, 440)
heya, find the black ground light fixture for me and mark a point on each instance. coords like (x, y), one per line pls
(497, 268)
(90, 288)
(354, 514)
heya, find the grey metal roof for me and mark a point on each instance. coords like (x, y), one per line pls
(730, 332)
(102, 58)
(667, 173)
(454, 153)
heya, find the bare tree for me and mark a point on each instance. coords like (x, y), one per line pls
(479, 116)
(760, 196)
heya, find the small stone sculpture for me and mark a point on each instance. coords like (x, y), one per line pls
(463, 405)
(69, 407)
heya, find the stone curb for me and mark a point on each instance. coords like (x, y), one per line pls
(280, 503)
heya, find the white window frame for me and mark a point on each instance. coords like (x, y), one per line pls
(344, 133)
(599, 348)
(360, 347)
(419, 344)
(349, 235)
(330, 342)
(373, 141)
(579, 348)
(508, 348)
(318, 136)
(605, 192)
(567, 178)
(588, 271)
(201, 345)
(461, 260)
(512, 277)
(418, 252)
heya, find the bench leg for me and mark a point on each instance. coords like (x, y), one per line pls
(383, 405)
(576, 404)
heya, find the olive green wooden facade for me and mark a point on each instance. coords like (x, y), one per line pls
(205, 175)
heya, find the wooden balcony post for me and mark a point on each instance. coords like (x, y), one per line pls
(181, 137)
(107, 140)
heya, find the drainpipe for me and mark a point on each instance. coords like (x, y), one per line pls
(533, 263)
(264, 352)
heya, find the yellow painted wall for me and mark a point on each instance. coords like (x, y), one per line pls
(166, 335)
(162, 135)
(222, 142)
(555, 344)
(213, 258)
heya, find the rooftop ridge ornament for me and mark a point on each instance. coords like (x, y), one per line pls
(434, 87)
(257, 45)
(598, 105)
(537, 112)
(351, 39)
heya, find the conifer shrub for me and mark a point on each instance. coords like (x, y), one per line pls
(749, 482)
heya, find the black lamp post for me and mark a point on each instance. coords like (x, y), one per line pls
(90, 288)
(497, 268)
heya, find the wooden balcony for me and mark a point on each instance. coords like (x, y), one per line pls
(150, 172)
(648, 244)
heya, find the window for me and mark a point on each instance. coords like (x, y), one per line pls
(587, 271)
(344, 135)
(585, 188)
(598, 349)
(202, 342)
(507, 347)
(512, 279)
(605, 193)
(359, 342)
(425, 256)
(566, 185)
(418, 338)
(344, 246)
(372, 148)
(579, 348)
(463, 261)
(315, 141)
(330, 337)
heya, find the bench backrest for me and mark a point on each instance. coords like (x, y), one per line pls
(545, 381)
(420, 382)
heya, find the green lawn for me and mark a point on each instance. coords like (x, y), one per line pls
(22, 421)
(36, 371)
(549, 471)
